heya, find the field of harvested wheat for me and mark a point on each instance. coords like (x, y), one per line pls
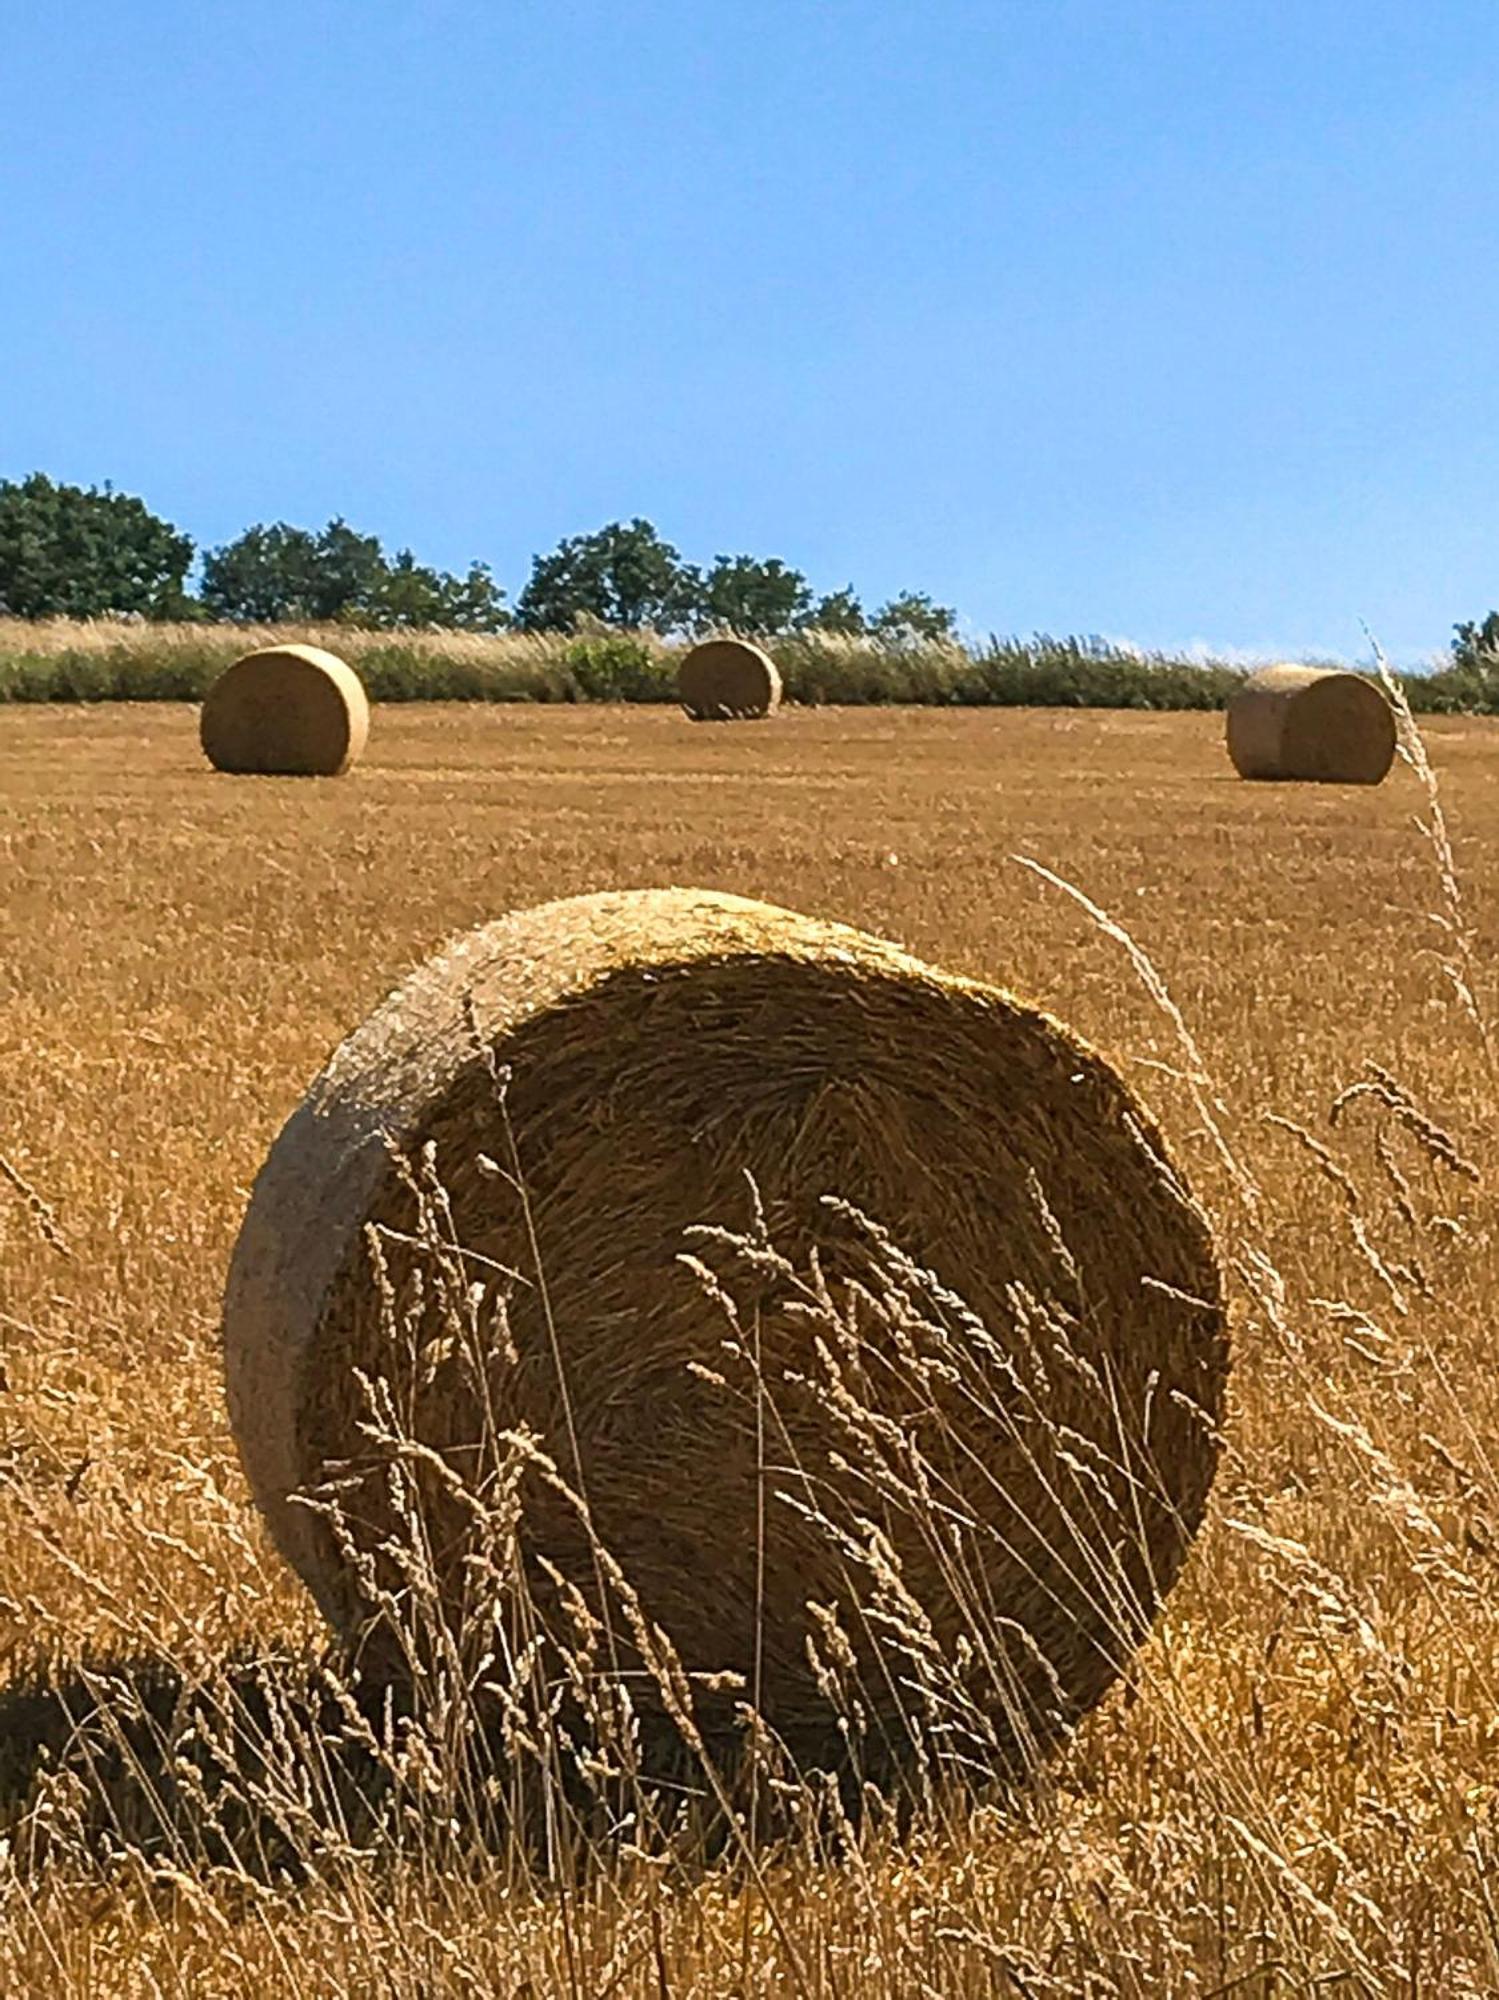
(1296, 1790)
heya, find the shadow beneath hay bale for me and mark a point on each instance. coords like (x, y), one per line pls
(264, 1764)
(281, 1768)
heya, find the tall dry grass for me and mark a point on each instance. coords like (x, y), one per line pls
(126, 660)
(114, 660)
(1294, 1791)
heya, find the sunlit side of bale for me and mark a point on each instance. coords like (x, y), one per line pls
(289, 711)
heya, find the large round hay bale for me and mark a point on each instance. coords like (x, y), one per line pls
(1312, 723)
(659, 1046)
(289, 711)
(728, 680)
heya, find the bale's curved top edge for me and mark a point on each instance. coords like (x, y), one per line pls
(338, 670)
(733, 641)
(541, 956)
(1289, 676)
(298, 649)
(675, 929)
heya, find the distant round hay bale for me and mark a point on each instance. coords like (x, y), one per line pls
(290, 711)
(1311, 723)
(659, 1045)
(728, 680)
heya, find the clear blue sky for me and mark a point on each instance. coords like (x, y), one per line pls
(1169, 319)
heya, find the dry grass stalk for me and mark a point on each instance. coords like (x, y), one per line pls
(1311, 723)
(37, 1206)
(728, 680)
(655, 1048)
(289, 711)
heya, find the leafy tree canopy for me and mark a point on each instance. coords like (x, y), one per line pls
(411, 594)
(67, 551)
(751, 596)
(913, 620)
(267, 574)
(624, 575)
(839, 611)
(276, 573)
(76, 552)
(1476, 644)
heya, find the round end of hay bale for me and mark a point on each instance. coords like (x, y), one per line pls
(1032, 1462)
(288, 711)
(728, 680)
(1311, 723)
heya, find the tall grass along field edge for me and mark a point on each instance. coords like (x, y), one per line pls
(60, 660)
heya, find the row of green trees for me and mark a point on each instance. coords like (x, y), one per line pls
(89, 552)
(626, 575)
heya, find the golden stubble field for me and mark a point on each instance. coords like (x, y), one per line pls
(1301, 1784)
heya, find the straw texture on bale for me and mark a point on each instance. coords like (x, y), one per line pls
(728, 680)
(1311, 723)
(659, 1045)
(288, 711)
